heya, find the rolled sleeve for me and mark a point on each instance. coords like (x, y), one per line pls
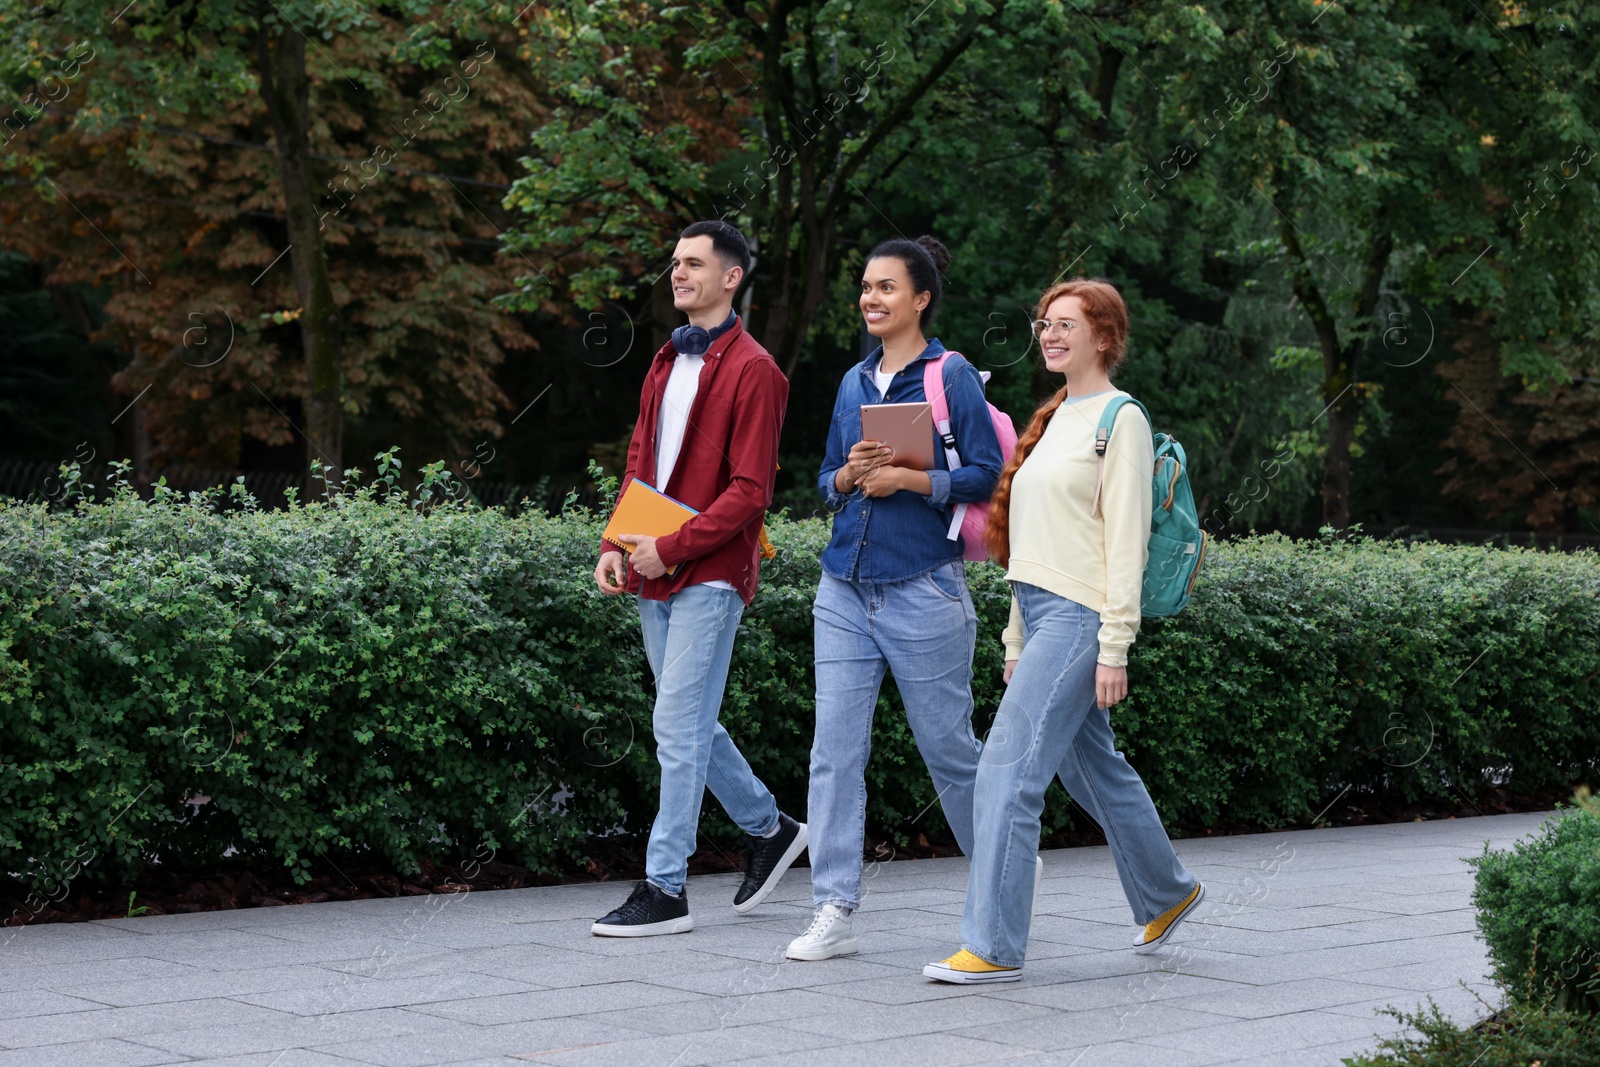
(832, 499)
(939, 495)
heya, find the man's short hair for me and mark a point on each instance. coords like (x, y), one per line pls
(726, 241)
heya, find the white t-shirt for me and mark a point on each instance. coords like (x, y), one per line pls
(883, 378)
(676, 402)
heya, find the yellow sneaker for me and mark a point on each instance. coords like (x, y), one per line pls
(966, 969)
(1155, 934)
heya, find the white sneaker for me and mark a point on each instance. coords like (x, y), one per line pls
(832, 934)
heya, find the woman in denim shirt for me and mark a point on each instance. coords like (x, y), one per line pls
(893, 592)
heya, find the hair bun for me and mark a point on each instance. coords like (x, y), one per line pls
(936, 251)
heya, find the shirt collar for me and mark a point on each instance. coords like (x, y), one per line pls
(727, 324)
(933, 350)
(726, 331)
(723, 336)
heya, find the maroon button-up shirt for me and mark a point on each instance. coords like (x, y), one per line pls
(725, 469)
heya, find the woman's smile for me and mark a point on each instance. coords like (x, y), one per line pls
(1066, 334)
(889, 300)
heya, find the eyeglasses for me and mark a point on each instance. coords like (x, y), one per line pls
(1044, 326)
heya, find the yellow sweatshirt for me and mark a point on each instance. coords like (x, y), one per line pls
(1058, 545)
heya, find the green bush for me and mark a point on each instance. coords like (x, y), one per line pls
(1539, 910)
(415, 678)
(1518, 1036)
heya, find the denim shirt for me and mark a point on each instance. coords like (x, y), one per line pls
(903, 535)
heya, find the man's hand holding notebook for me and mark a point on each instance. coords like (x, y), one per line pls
(645, 511)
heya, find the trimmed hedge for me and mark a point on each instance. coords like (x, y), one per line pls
(1539, 911)
(1519, 1035)
(415, 678)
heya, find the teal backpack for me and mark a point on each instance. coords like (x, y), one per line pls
(1177, 543)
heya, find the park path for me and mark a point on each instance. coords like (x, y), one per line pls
(1302, 937)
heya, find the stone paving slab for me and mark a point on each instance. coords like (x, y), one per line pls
(1303, 938)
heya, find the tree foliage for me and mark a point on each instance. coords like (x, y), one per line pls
(1359, 161)
(196, 145)
(1307, 205)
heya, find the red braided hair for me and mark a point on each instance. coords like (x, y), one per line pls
(1108, 318)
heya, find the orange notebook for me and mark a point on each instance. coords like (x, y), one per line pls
(646, 510)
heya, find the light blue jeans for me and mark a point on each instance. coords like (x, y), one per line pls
(923, 629)
(688, 639)
(1049, 724)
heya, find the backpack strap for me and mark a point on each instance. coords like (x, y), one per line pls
(1102, 438)
(933, 385)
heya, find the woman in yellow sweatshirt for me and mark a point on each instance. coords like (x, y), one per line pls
(1071, 532)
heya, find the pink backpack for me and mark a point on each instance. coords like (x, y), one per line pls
(970, 519)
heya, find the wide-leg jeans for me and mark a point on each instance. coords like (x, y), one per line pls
(923, 629)
(1050, 724)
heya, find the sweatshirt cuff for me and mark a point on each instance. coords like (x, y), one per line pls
(1112, 657)
(1014, 635)
(939, 482)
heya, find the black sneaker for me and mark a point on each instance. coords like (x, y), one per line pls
(647, 911)
(766, 858)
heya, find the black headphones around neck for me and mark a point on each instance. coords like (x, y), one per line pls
(692, 340)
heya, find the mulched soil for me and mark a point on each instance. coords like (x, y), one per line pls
(239, 884)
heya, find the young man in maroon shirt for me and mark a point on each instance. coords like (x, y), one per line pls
(709, 418)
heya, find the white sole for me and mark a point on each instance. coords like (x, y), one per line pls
(846, 947)
(668, 926)
(792, 853)
(1144, 948)
(940, 973)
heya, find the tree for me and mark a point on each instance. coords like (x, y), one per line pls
(49, 407)
(399, 239)
(1278, 189)
(1530, 456)
(1045, 122)
(174, 58)
(1389, 140)
(818, 91)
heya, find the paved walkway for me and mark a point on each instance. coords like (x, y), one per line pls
(1303, 935)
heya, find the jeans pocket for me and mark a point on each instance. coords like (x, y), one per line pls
(950, 581)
